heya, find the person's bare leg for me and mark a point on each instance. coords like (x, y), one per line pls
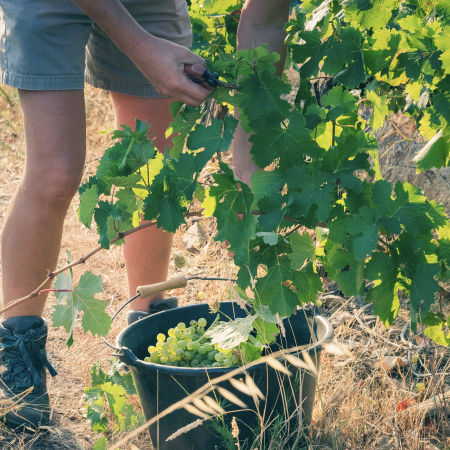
(55, 133)
(147, 252)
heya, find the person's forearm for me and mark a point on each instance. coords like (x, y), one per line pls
(161, 61)
(114, 19)
(262, 23)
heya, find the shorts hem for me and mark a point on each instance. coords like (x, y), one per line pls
(122, 88)
(42, 83)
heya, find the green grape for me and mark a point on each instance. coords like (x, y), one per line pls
(173, 347)
(171, 339)
(178, 333)
(195, 346)
(209, 347)
(165, 346)
(171, 332)
(187, 346)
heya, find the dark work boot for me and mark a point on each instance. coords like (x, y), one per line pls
(24, 360)
(154, 307)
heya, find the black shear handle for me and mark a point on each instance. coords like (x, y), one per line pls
(206, 79)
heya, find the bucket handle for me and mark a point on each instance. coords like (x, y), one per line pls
(124, 353)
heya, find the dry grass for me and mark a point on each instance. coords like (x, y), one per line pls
(356, 404)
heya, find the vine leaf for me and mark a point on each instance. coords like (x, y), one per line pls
(212, 137)
(380, 109)
(81, 299)
(344, 57)
(230, 334)
(343, 267)
(382, 270)
(235, 222)
(370, 13)
(272, 291)
(274, 140)
(88, 202)
(423, 286)
(436, 328)
(307, 284)
(436, 153)
(266, 332)
(302, 249)
(104, 215)
(261, 100)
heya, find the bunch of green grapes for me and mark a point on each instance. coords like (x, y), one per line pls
(187, 346)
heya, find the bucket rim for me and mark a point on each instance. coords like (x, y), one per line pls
(165, 368)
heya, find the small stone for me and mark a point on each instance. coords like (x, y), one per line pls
(194, 237)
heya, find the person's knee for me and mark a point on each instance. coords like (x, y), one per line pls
(53, 186)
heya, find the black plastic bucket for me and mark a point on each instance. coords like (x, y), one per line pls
(160, 386)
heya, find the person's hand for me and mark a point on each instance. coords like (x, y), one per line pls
(162, 62)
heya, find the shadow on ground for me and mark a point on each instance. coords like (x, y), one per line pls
(50, 438)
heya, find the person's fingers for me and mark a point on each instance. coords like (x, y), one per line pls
(182, 97)
(194, 90)
(197, 69)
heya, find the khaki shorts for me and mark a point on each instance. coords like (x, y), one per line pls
(53, 45)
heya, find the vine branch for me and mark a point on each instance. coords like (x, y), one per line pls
(51, 275)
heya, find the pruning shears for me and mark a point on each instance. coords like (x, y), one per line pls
(207, 79)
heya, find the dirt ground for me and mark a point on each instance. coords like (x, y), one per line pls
(357, 404)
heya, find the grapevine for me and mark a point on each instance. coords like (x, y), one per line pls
(358, 62)
(356, 67)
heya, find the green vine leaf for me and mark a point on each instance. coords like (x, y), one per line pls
(272, 290)
(88, 202)
(235, 222)
(383, 271)
(302, 249)
(229, 335)
(215, 137)
(260, 99)
(81, 299)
